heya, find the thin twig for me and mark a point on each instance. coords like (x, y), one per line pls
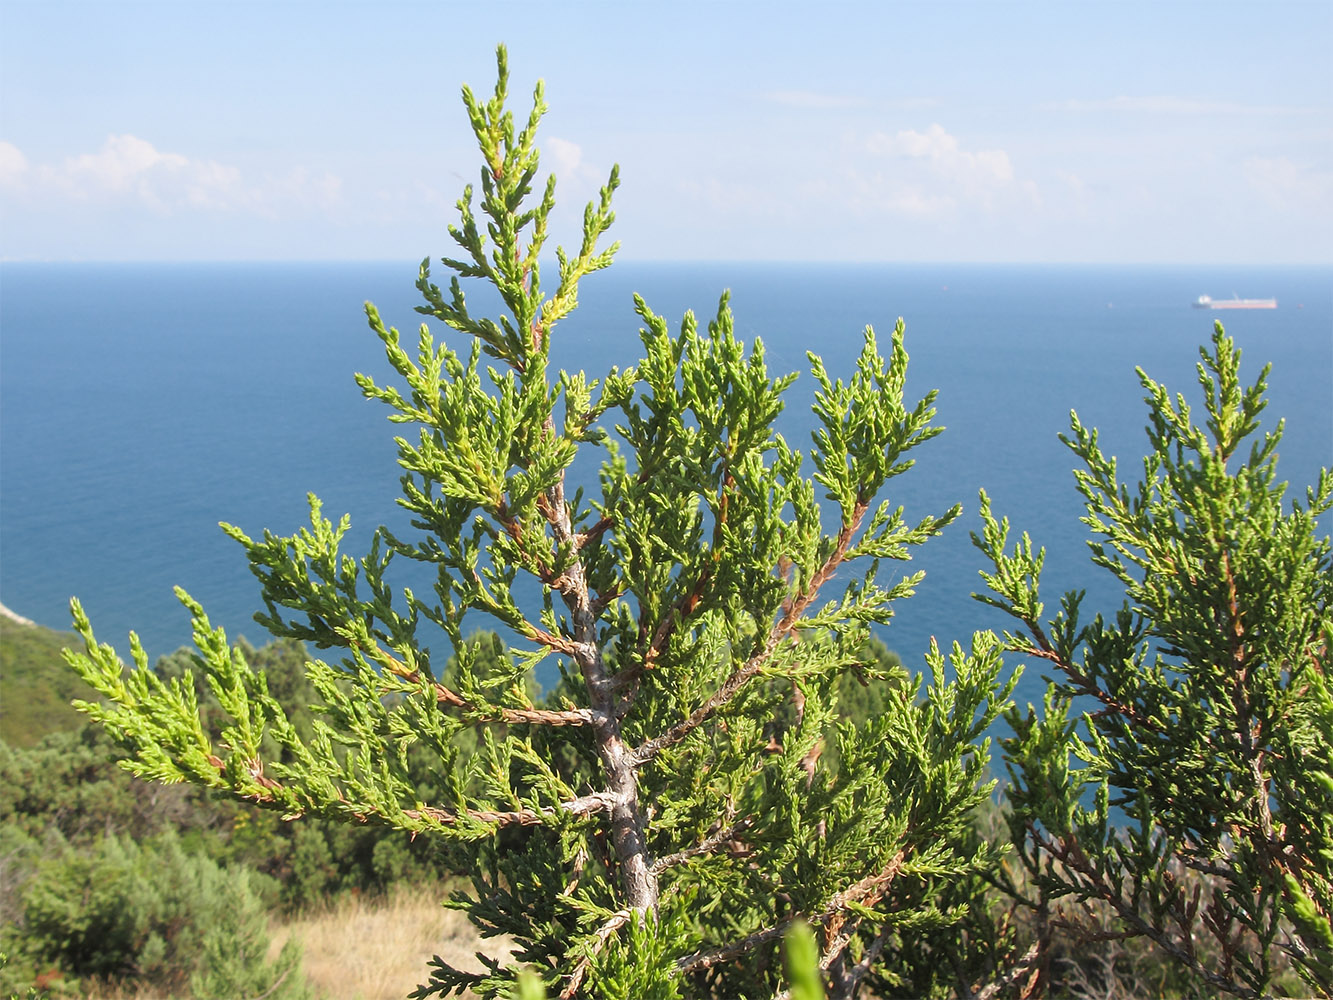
(649, 749)
(617, 921)
(704, 846)
(1015, 972)
(278, 982)
(868, 891)
(862, 968)
(585, 805)
(495, 714)
(1072, 857)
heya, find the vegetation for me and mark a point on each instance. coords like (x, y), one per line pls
(36, 687)
(77, 834)
(362, 902)
(1209, 714)
(659, 829)
(154, 911)
(733, 790)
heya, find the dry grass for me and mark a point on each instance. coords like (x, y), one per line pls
(378, 949)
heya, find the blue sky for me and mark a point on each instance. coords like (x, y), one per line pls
(1109, 132)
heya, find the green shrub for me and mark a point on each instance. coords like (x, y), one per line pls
(35, 687)
(152, 914)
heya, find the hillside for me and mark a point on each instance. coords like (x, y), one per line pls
(36, 686)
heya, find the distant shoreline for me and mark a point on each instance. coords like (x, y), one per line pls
(15, 617)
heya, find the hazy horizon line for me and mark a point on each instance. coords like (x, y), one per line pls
(719, 261)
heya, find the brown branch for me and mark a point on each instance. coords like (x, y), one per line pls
(276, 983)
(848, 982)
(837, 941)
(617, 921)
(868, 892)
(558, 643)
(585, 805)
(580, 859)
(1071, 856)
(543, 717)
(255, 768)
(1017, 971)
(514, 528)
(1045, 651)
(649, 749)
(1205, 867)
(1250, 732)
(797, 607)
(491, 714)
(862, 968)
(602, 602)
(585, 538)
(705, 846)
(627, 825)
(688, 602)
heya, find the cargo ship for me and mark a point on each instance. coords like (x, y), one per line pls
(1207, 302)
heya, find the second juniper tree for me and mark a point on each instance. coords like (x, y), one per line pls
(1190, 805)
(655, 826)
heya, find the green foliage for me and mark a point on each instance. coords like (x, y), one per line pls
(803, 964)
(235, 949)
(151, 913)
(638, 964)
(63, 798)
(36, 687)
(656, 827)
(70, 784)
(31, 993)
(1209, 716)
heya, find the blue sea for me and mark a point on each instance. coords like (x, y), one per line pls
(141, 404)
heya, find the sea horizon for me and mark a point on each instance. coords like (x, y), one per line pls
(622, 258)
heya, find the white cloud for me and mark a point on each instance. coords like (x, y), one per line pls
(743, 198)
(124, 162)
(931, 173)
(13, 165)
(1168, 105)
(1286, 185)
(986, 166)
(567, 156)
(913, 201)
(127, 168)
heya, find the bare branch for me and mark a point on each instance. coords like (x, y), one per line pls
(585, 538)
(862, 968)
(705, 846)
(1017, 971)
(1071, 856)
(628, 835)
(1045, 651)
(649, 749)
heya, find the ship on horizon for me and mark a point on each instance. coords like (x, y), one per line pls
(1235, 302)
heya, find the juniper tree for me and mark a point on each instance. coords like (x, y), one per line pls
(653, 828)
(1209, 721)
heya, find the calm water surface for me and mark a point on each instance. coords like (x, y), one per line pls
(141, 404)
